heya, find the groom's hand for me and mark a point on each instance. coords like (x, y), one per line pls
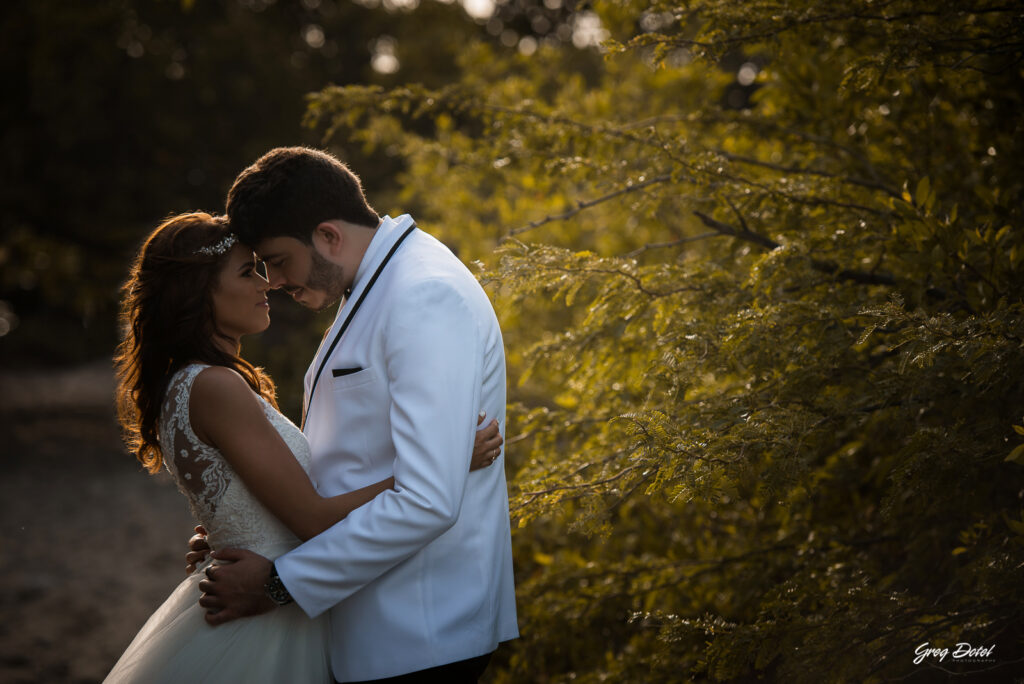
(235, 586)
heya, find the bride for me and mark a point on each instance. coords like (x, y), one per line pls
(187, 401)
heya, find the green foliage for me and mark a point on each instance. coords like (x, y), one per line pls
(766, 361)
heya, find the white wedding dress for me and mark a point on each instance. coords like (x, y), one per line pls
(176, 645)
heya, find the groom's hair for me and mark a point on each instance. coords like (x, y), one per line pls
(291, 190)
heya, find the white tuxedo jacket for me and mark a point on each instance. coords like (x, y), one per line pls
(422, 575)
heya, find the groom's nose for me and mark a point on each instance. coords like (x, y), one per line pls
(276, 278)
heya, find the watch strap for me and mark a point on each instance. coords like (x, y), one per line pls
(275, 588)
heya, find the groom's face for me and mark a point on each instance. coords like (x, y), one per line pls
(298, 269)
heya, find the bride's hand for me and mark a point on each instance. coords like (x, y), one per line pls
(198, 548)
(234, 586)
(486, 445)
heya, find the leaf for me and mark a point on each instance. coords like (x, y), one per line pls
(1017, 455)
(570, 294)
(921, 193)
(1015, 525)
(1019, 429)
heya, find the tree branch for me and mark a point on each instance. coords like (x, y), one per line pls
(634, 278)
(726, 229)
(586, 204)
(871, 185)
(671, 243)
(797, 23)
(575, 487)
(862, 277)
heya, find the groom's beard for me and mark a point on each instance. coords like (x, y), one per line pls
(326, 278)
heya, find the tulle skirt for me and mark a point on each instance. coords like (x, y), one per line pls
(177, 646)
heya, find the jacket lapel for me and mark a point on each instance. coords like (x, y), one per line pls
(388, 232)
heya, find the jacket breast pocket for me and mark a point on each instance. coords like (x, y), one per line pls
(349, 378)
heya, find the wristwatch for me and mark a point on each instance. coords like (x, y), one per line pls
(275, 588)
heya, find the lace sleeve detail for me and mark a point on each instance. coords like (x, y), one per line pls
(219, 499)
(199, 470)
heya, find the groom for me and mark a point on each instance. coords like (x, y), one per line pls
(418, 582)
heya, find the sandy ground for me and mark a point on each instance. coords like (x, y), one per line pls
(91, 543)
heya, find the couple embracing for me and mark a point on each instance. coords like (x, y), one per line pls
(372, 543)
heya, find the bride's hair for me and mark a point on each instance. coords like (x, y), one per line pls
(167, 322)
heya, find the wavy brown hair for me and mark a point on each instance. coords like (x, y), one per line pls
(167, 322)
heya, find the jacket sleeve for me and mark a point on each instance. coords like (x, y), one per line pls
(433, 355)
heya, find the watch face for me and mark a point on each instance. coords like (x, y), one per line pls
(277, 592)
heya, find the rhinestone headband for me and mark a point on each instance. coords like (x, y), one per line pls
(219, 248)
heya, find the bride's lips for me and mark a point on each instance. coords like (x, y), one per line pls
(264, 303)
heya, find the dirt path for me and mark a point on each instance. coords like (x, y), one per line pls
(91, 544)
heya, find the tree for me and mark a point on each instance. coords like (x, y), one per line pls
(759, 269)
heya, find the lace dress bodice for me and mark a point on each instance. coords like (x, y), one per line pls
(219, 499)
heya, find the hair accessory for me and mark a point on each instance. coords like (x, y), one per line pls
(219, 248)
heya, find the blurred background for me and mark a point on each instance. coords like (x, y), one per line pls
(117, 114)
(759, 268)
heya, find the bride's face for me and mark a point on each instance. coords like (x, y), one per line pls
(240, 305)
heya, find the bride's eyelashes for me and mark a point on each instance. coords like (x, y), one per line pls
(257, 269)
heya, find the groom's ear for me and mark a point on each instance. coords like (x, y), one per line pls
(328, 239)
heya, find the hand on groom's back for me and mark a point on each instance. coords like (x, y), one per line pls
(235, 586)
